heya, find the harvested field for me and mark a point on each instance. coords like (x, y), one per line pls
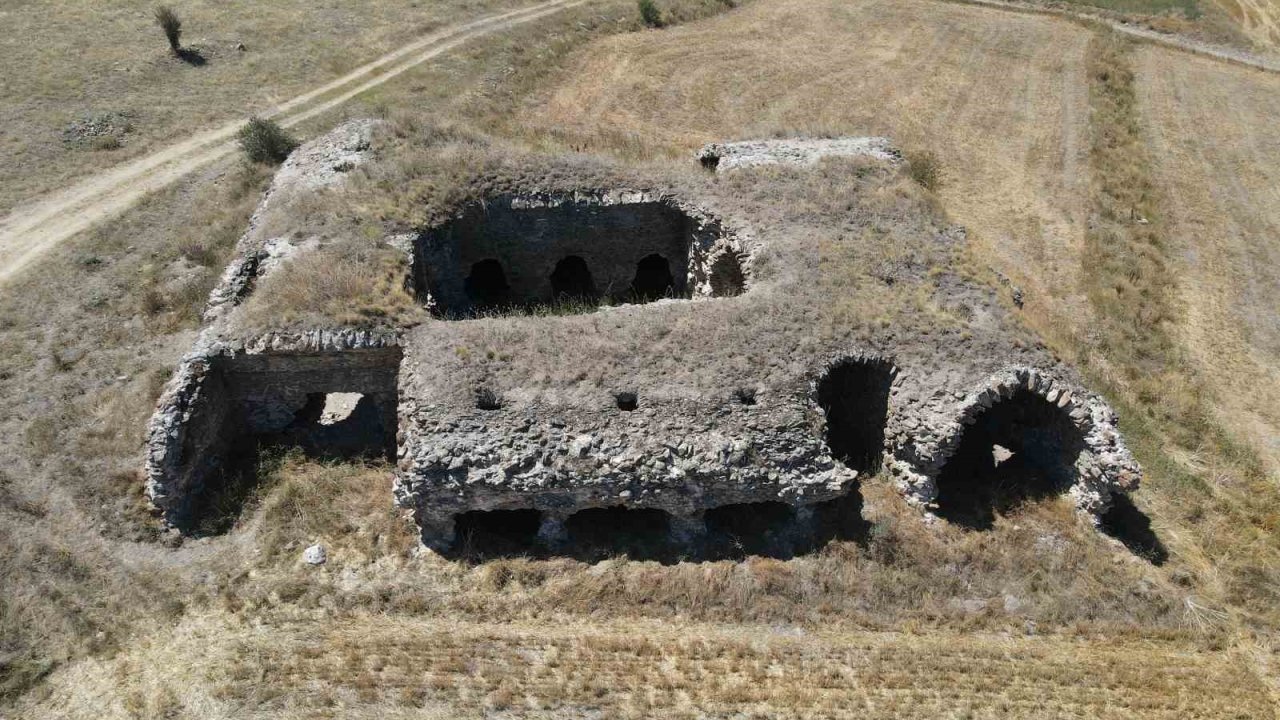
(368, 666)
(1211, 128)
(1258, 19)
(999, 97)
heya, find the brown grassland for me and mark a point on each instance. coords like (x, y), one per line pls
(1130, 191)
(85, 60)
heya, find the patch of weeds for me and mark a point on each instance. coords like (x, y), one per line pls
(42, 436)
(106, 142)
(925, 169)
(99, 131)
(199, 253)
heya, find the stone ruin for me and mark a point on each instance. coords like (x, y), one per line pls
(769, 467)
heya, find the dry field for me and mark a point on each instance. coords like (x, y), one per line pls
(1212, 131)
(68, 62)
(1259, 20)
(1000, 98)
(365, 666)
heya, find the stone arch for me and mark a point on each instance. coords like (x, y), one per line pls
(653, 280)
(854, 396)
(1021, 436)
(1022, 448)
(727, 277)
(486, 286)
(571, 279)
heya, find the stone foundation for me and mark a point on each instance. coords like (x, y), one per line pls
(759, 450)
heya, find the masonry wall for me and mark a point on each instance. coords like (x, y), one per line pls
(528, 236)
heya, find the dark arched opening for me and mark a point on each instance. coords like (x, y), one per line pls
(1020, 450)
(726, 276)
(854, 394)
(653, 279)
(640, 533)
(487, 286)
(571, 280)
(497, 533)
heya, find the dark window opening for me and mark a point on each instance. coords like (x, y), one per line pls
(342, 425)
(571, 280)
(1021, 450)
(855, 397)
(639, 533)
(1126, 523)
(653, 279)
(496, 533)
(627, 400)
(487, 286)
(727, 278)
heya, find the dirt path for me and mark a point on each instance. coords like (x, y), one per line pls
(31, 230)
(1196, 47)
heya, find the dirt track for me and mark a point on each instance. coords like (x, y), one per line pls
(32, 229)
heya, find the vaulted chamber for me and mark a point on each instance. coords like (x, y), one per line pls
(511, 252)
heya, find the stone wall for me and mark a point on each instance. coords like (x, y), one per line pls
(225, 393)
(922, 436)
(529, 235)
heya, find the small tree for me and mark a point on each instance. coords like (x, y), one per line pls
(649, 13)
(169, 21)
(264, 141)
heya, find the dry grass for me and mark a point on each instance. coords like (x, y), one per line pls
(360, 665)
(1258, 19)
(999, 99)
(89, 58)
(344, 284)
(1218, 169)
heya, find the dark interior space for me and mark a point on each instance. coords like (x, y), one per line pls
(258, 408)
(487, 287)
(781, 531)
(744, 529)
(639, 533)
(653, 279)
(502, 252)
(727, 278)
(571, 280)
(626, 400)
(854, 395)
(366, 432)
(1020, 450)
(496, 533)
(767, 529)
(1128, 524)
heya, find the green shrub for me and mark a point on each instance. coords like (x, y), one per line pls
(264, 141)
(925, 169)
(169, 21)
(649, 13)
